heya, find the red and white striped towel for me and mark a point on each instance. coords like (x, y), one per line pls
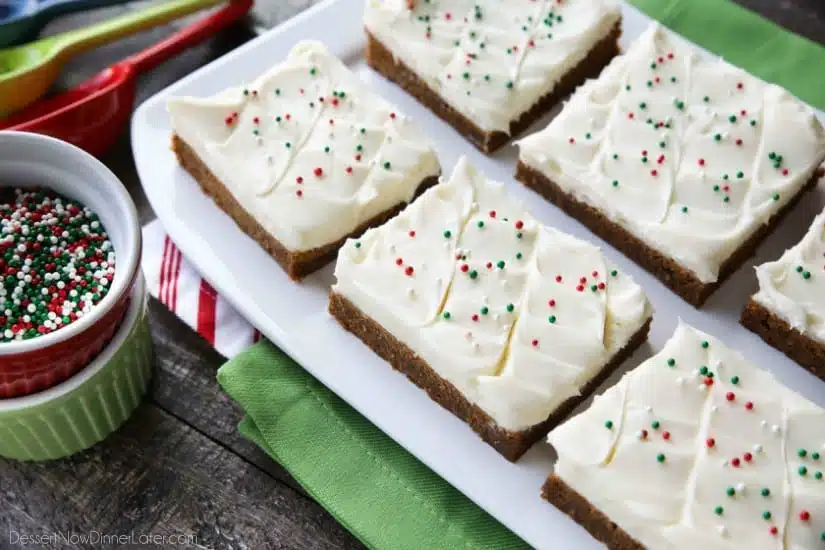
(173, 281)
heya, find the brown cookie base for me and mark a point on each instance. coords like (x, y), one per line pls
(777, 332)
(679, 279)
(297, 264)
(510, 444)
(380, 58)
(563, 497)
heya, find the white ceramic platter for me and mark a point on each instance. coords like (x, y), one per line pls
(294, 316)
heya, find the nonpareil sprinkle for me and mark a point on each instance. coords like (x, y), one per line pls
(56, 262)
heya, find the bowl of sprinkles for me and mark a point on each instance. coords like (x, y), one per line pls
(69, 256)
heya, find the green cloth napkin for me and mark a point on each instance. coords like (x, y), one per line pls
(372, 486)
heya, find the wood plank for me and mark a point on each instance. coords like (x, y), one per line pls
(157, 476)
(185, 386)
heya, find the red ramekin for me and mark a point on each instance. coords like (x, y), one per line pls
(33, 160)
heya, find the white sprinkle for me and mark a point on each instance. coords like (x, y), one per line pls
(680, 381)
(410, 292)
(764, 423)
(723, 531)
(714, 409)
(757, 448)
(775, 429)
(725, 463)
(476, 346)
(740, 487)
(468, 335)
(648, 409)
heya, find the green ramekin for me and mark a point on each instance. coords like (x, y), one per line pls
(86, 408)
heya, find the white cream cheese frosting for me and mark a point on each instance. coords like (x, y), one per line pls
(516, 315)
(306, 149)
(491, 60)
(698, 448)
(688, 153)
(793, 287)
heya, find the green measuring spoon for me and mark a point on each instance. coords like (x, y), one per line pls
(27, 72)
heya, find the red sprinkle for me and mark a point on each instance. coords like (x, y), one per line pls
(804, 515)
(580, 288)
(349, 169)
(465, 268)
(535, 343)
(409, 271)
(299, 193)
(558, 278)
(730, 396)
(666, 436)
(399, 261)
(735, 462)
(318, 172)
(412, 233)
(749, 406)
(492, 213)
(519, 224)
(748, 457)
(774, 531)
(701, 162)
(475, 317)
(552, 303)
(710, 443)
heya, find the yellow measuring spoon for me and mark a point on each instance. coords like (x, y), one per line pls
(27, 72)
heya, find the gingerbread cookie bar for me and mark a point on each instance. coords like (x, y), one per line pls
(303, 157)
(486, 67)
(503, 321)
(683, 162)
(788, 312)
(695, 448)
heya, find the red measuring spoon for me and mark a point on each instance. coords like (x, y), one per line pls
(93, 114)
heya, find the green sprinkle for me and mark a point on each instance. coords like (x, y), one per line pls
(732, 118)
(684, 209)
(806, 275)
(510, 308)
(357, 244)
(587, 135)
(446, 315)
(277, 91)
(519, 235)
(448, 234)
(518, 255)
(466, 76)
(730, 491)
(500, 264)
(660, 458)
(609, 424)
(552, 319)
(706, 99)
(766, 492)
(485, 310)
(313, 71)
(801, 453)
(615, 183)
(473, 274)
(655, 424)
(766, 515)
(480, 224)
(614, 273)
(815, 455)
(772, 155)
(734, 380)
(718, 510)
(776, 196)
(818, 475)
(717, 137)
(642, 105)
(803, 470)
(703, 370)
(740, 174)
(671, 362)
(387, 165)
(509, 84)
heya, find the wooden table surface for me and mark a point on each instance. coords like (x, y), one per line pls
(179, 466)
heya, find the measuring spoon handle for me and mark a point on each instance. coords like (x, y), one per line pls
(88, 38)
(189, 36)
